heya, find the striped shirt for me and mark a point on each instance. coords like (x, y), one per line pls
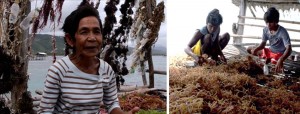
(69, 90)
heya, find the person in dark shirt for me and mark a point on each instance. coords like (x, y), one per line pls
(207, 40)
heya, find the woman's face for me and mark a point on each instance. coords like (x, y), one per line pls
(211, 28)
(88, 37)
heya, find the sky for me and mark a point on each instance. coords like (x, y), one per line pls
(185, 17)
(70, 5)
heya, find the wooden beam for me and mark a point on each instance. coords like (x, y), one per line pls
(258, 18)
(245, 36)
(256, 37)
(158, 72)
(254, 25)
(273, 2)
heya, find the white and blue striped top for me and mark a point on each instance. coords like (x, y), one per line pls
(69, 90)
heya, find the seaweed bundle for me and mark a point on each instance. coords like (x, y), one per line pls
(144, 101)
(236, 87)
(5, 74)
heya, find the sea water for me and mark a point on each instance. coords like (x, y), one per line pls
(37, 70)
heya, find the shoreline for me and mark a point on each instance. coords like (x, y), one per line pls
(37, 70)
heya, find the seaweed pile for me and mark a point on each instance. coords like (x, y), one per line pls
(237, 87)
(144, 101)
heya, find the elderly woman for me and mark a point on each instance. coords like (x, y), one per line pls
(80, 82)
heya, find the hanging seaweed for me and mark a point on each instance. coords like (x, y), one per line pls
(97, 4)
(59, 4)
(145, 29)
(5, 72)
(54, 48)
(115, 40)
(122, 33)
(45, 12)
(13, 51)
(109, 20)
(47, 9)
(26, 103)
(3, 108)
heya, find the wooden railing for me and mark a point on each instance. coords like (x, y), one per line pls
(257, 18)
(236, 36)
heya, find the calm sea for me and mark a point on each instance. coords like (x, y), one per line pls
(38, 69)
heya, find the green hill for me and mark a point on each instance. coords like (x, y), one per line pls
(43, 43)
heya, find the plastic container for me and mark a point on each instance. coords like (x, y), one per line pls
(266, 69)
(14, 12)
(26, 22)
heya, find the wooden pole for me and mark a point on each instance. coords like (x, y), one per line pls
(240, 28)
(143, 73)
(19, 96)
(150, 5)
(151, 69)
(273, 2)
(257, 37)
(158, 72)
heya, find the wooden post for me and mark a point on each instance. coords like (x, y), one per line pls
(19, 101)
(240, 28)
(151, 69)
(150, 5)
(143, 72)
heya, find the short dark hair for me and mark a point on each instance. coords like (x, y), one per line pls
(71, 23)
(214, 17)
(272, 15)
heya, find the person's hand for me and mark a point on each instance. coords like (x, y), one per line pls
(37, 99)
(196, 58)
(279, 66)
(223, 59)
(134, 110)
(253, 52)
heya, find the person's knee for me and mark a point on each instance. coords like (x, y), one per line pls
(224, 39)
(207, 38)
(227, 36)
(206, 45)
(249, 49)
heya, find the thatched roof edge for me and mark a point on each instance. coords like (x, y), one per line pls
(285, 5)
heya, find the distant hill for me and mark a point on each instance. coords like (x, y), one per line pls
(43, 43)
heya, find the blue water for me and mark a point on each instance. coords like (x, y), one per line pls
(38, 69)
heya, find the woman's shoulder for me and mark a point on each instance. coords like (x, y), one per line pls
(62, 63)
(104, 64)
